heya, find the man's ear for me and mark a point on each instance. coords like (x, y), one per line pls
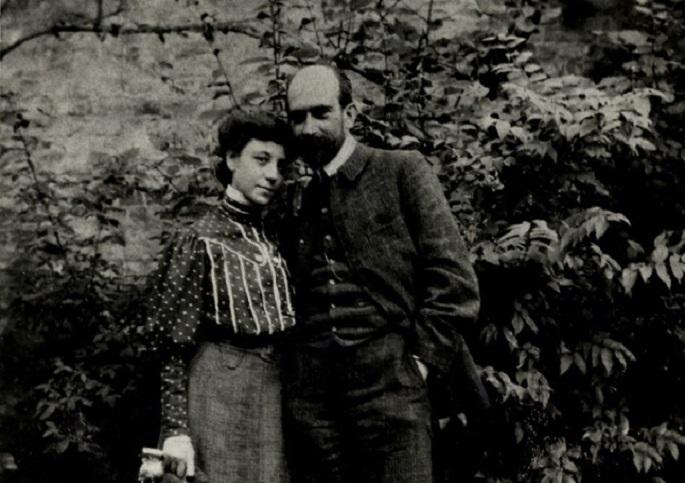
(349, 115)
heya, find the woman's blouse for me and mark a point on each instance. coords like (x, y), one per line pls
(223, 273)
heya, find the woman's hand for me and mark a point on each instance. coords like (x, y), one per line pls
(179, 456)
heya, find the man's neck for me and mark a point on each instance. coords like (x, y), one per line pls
(343, 155)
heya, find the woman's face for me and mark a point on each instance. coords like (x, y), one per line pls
(257, 170)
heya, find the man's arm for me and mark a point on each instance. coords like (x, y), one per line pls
(447, 289)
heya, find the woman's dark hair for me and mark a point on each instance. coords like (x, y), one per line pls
(239, 128)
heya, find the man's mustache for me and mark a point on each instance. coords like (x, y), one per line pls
(313, 141)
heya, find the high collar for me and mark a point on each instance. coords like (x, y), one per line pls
(237, 207)
(237, 196)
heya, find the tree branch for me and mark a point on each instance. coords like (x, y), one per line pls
(241, 27)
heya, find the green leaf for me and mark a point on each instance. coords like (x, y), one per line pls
(660, 254)
(663, 275)
(517, 323)
(502, 128)
(677, 267)
(673, 449)
(624, 425)
(579, 362)
(62, 446)
(49, 410)
(644, 144)
(518, 433)
(645, 271)
(595, 355)
(647, 464)
(566, 360)
(510, 338)
(607, 358)
(628, 278)
(635, 38)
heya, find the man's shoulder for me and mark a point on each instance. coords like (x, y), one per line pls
(391, 159)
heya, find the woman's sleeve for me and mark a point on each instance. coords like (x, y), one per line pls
(175, 311)
(174, 395)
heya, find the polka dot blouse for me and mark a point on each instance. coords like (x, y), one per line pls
(221, 270)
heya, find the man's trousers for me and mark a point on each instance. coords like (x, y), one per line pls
(357, 413)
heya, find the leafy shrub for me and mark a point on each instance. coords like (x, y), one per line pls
(568, 189)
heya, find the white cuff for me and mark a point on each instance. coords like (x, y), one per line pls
(180, 447)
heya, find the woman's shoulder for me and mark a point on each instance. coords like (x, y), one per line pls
(215, 224)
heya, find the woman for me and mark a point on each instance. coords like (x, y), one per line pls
(220, 301)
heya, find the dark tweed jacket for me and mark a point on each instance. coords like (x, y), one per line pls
(403, 244)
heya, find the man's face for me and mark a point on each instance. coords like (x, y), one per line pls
(316, 117)
(257, 170)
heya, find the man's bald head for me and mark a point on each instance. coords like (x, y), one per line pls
(320, 111)
(322, 76)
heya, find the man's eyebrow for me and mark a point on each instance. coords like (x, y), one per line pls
(317, 107)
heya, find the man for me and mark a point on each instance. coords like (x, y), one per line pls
(383, 284)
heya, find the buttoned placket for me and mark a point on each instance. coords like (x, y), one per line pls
(328, 182)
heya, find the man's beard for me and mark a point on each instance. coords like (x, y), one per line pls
(318, 150)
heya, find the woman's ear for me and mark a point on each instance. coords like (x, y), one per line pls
(231, 161)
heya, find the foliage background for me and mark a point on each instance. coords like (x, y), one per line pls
(556, 128)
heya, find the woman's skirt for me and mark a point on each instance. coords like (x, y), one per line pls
(235, 414)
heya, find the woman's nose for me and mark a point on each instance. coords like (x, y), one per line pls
(272, 172)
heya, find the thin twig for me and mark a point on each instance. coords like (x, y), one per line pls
(423, 40)
(275, 12)
(315, 27)
(420, 48)
(348, 33)
(229, 86)
(241, 27)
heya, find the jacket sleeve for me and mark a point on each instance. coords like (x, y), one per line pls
(446, 283)
(174, 313)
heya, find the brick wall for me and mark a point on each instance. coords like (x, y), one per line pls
(97, 98)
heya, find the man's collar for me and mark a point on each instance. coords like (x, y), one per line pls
(341, 158)
(354, 161)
